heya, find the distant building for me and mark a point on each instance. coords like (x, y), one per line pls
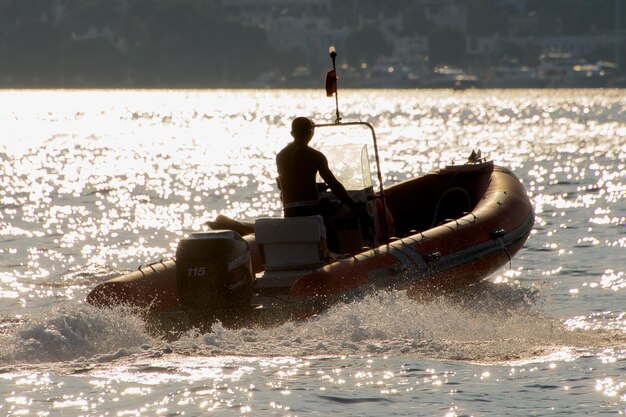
(390, 26)
(572, 45)
(412, 48)
(524, 25)
(482, 45)
(576, 45)
(307, 33)
(450, 13)
(290, 24)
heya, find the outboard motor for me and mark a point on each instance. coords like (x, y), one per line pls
(214, 278)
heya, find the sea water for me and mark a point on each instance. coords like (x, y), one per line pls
(95, 183)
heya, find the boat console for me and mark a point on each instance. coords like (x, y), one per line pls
(351, 166)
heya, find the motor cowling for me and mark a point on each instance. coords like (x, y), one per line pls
(214, 278)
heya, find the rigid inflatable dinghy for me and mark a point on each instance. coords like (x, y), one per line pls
(444, 230)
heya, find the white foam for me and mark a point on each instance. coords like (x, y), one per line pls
(489, 322)
(72, 332)
(485, 323)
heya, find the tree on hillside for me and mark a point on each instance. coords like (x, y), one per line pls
(575, 17)
(32, 52)
(486, 17)
(185, 43)
(414, 20)
(366, 44)
(446, 46)
(93, 62)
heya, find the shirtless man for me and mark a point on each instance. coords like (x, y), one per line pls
(298, 165)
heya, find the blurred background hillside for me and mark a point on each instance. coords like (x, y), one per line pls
(283, 43)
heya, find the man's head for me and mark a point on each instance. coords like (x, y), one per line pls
(302, 129)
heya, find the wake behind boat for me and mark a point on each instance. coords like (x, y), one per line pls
(440, 231)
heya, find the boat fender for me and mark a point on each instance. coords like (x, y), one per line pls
(214, 277)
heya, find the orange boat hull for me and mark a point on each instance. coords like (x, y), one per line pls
(455, 226)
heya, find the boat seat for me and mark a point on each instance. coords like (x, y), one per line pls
(291, 243)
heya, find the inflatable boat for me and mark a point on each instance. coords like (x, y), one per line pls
(437, 232)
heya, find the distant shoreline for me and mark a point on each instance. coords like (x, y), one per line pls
(181, 88)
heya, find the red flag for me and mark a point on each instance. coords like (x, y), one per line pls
(331, 83)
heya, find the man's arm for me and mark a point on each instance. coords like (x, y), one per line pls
(358, 208)
(336, 187)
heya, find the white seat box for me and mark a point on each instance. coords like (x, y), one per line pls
(291, 242)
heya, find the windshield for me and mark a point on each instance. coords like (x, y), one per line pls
(351, 165)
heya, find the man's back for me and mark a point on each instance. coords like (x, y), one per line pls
(297, 166)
